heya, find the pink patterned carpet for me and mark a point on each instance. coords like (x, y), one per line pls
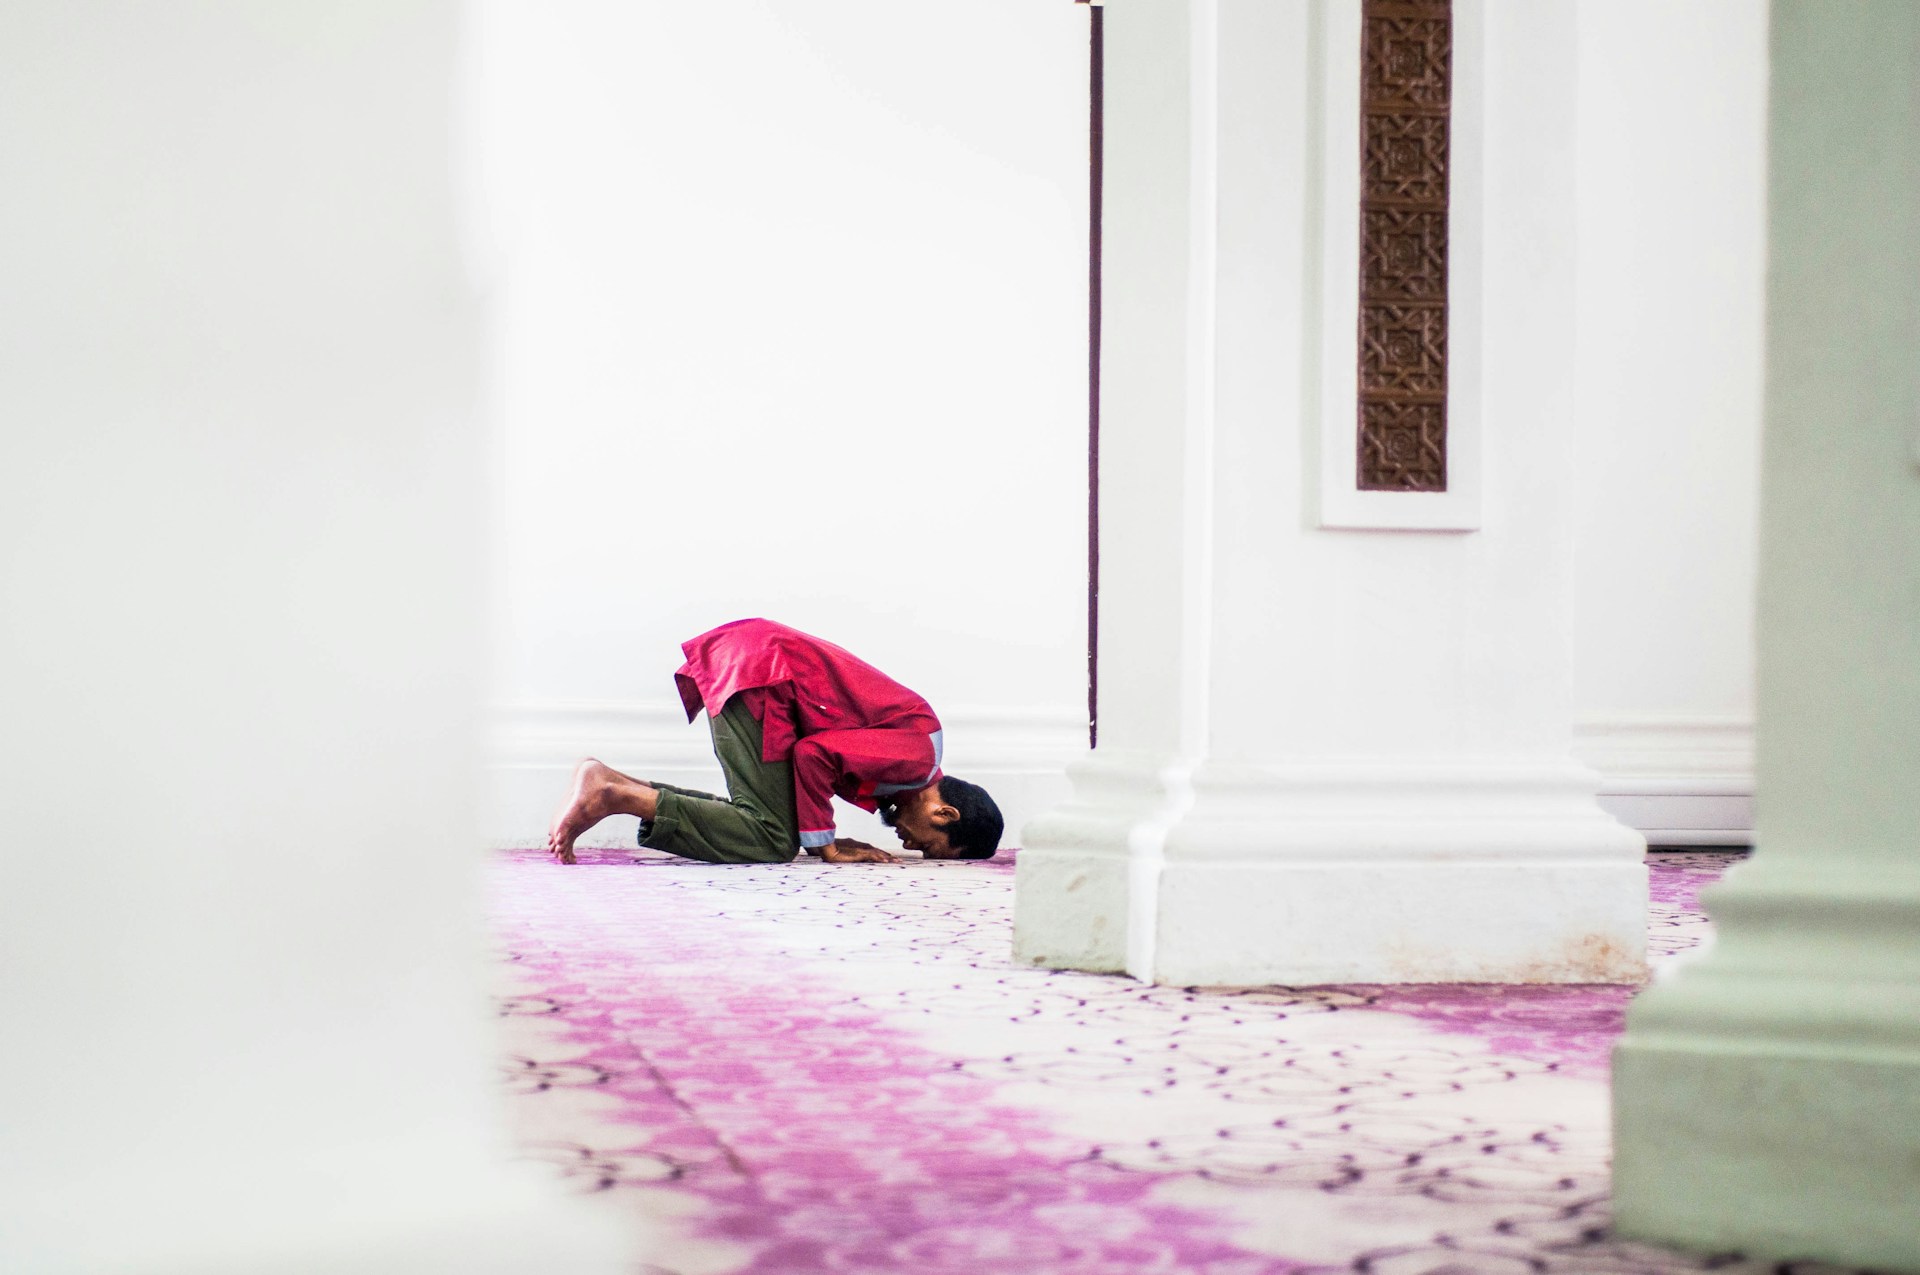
(815, 1068)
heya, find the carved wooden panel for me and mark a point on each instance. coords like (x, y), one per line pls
(1406, 89)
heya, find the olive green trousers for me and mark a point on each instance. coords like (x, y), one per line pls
(754, 823)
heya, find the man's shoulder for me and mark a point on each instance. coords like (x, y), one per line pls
(735, 629)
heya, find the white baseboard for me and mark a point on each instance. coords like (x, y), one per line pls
(1680, 781)
(1018, 754)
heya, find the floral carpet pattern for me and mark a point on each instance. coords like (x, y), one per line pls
(816, 1068)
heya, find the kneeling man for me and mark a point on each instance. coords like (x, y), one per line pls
(795, 721)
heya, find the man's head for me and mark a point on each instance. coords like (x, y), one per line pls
(952, 819)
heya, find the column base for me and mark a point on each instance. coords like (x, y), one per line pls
(1767, 1091)
(1085, 866)
(1784, 1154)
(1335, 873)
(1400, 920)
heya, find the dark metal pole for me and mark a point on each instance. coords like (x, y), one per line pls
(1096, 148)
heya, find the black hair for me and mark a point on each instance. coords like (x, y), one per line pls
(976, 833)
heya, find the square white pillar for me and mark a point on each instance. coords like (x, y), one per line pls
(1335, 735)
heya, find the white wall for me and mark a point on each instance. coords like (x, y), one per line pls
(789, 320)
(1671, 203)
(751, 261)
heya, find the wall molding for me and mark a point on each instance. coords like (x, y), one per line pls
(1020, 753)
(1683, 781)
(1679, 780)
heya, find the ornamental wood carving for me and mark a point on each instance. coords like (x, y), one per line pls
(1406, 90)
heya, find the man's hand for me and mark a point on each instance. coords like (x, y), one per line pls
(847, 850)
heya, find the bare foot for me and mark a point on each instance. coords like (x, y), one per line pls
(588, 802)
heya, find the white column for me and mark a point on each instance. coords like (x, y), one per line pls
(1329, 751)
(240, 933)
(1767, 1095)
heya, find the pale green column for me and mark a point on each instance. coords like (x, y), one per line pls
(1767, 1093)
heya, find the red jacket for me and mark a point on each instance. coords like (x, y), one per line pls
(848, 728)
